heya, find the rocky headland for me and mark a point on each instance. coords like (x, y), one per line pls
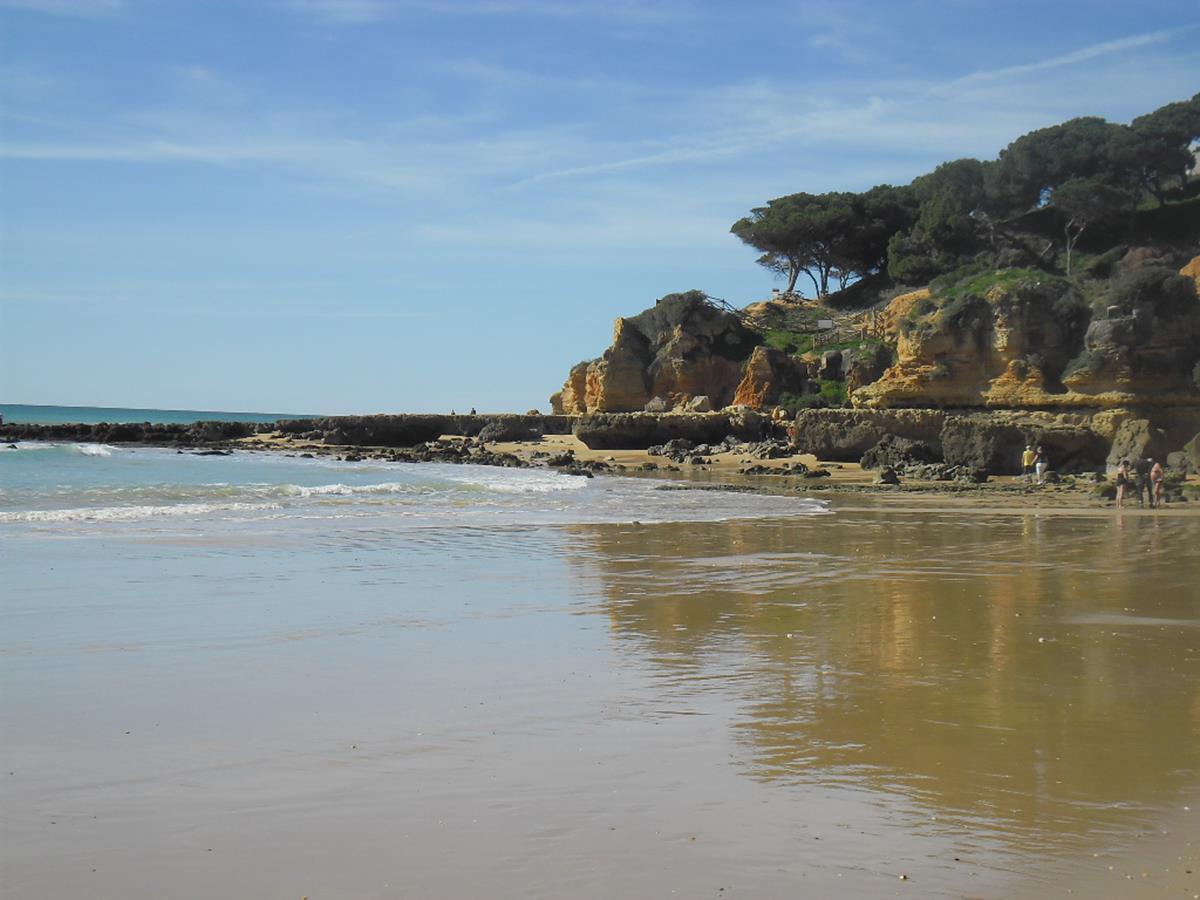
(964, 372)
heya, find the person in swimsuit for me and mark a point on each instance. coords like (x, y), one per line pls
(1122, 482)
(1157, 477)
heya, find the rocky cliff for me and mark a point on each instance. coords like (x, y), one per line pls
(1024, 339)
(967, 370)
(680, 349)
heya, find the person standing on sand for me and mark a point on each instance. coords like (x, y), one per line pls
(1041, 464)
(1122, 482)
(1157, 477)
(1028, 458)
(1142, 470)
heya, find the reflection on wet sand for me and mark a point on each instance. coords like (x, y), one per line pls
(1033, 681)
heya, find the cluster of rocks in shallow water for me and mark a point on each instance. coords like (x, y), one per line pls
(466, 451)
(193, 434)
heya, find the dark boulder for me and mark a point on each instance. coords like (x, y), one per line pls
(892, 450)
(1192, 451)
(381, 431)
(865, 365)
(995, 444)
(845, 435)
(638, 431)
(512, 428)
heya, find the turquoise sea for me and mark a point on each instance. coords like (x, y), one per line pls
(91, 415)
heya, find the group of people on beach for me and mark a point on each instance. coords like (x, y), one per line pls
(1146, 476)
(1035, 463)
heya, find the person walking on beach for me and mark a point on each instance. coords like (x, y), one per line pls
(1122, 482)
(1142, 470)
(1041, 464)
(1028, 458)
(1157, 477)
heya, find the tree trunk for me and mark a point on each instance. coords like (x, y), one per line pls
(1071, 239)
(816, 287)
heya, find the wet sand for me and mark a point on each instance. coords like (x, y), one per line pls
(883, 701)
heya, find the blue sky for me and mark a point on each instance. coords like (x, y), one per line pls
(359, 206)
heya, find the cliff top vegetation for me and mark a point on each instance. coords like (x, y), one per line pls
(1056, 200)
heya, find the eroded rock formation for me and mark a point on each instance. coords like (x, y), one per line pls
(1027, 340)
(637, 431)
(768, 374)
(681, 348)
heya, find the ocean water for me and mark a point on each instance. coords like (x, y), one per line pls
(269, 676)
(84, 485)
(92, 415)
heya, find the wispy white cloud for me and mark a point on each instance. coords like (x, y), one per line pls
(900, 117)
(829, 130)
(1078, 56)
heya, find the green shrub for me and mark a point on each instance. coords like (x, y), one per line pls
(833, 392)
(793, 403)
(1163, 289)
(780, 339)
(972, 281)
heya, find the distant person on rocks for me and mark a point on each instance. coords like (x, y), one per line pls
(1122, 482)
(1028, 458)
(1142, 470)
(1041, 464)
(1157, 477)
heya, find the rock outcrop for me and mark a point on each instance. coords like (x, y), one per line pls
(845, 435)
(679, 349)
(992, 440)
(165, 435)
(768, 374)
(1146, 347)
(406, 430)
(638, 431)
(1021, 339)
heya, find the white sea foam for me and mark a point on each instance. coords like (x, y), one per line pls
(30, 445)
(129, 513)
(81, 449)
(518, 481)
(345, 490)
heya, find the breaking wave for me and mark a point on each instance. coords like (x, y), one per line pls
(129, 513)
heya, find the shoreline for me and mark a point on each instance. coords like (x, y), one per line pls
(733, 469)
(846, 480)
